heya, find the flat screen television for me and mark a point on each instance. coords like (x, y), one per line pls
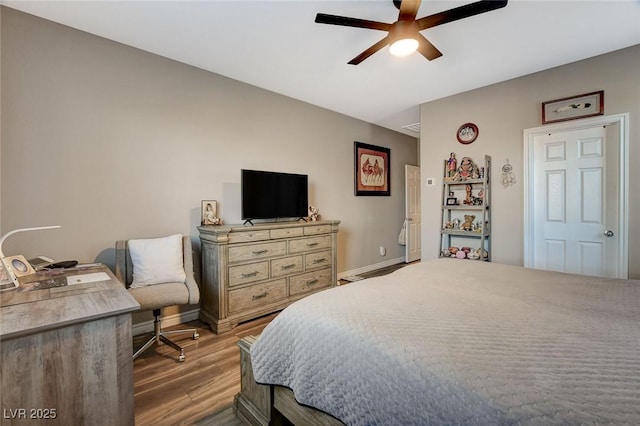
(273, 195)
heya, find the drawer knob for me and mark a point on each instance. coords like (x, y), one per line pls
(289, 266)
(312, 282)
(317, 261)
(259, 296)
(250, 274)
(259, 252)
(312, 244)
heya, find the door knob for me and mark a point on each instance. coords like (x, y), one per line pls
(608, 233)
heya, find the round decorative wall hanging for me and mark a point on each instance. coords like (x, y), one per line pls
(467, 133)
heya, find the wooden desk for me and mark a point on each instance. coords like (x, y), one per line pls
(66, 352)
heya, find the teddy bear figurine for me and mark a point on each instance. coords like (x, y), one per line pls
(314, 214)
(467, 225)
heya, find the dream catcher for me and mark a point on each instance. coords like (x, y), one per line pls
(508, 178)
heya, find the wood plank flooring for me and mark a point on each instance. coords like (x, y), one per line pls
(197, 391)
(200, 390)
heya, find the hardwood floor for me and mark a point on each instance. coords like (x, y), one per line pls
(197, 391)
(200, 390)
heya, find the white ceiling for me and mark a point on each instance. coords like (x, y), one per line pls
(277, 45)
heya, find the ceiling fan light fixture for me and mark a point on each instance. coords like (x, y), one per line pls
(403, 47)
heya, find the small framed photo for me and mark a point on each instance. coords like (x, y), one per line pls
(209, 213)
(574, 107)
(452, 201)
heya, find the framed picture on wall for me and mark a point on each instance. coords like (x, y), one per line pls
(574, 107)
(372, 170)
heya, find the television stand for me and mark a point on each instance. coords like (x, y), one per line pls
(248, 221)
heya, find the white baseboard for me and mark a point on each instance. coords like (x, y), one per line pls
(370, 268)
(167, 321)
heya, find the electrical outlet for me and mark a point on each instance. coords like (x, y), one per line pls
(383, 251)
(431, 181)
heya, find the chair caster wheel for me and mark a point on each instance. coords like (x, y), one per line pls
(196, 335)
(181, 358)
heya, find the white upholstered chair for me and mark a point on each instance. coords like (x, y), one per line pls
(158, 272)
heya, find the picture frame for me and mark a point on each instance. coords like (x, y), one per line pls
(372, 175)
(452, 201)
(209, 213)
(574, 107)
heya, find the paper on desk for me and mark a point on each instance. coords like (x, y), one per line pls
(87, 278)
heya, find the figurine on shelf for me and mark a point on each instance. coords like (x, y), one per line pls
(469, 199)
(456, 223)
(481, 253)
(467, 225)
(314, 214)
(452, 164)
(467, 170)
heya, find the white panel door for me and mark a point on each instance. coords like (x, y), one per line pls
(413, 249)
(575, 216)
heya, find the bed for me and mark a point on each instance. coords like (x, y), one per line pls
(456, 342)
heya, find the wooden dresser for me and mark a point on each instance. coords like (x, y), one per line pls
(249, 271)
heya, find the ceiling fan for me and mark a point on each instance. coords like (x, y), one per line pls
(404, 34)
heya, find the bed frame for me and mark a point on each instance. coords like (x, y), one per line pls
(262, 405)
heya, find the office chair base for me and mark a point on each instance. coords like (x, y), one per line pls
(159, 337)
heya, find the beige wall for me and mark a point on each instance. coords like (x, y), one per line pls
(502, 111)
(112, 142)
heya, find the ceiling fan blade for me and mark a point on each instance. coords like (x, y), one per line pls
(427, 49)
(323, 18)
(409, 10)
(370, 51)
(459, 13)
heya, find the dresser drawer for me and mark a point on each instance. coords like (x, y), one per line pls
(287, 232)
(311, 281)
(243, 274)
(317, 229)
(317, 260)
(312, 243)
(257, 251)
(286, 266)
(257, 295)
(247, 237)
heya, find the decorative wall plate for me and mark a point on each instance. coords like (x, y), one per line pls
(467, 133)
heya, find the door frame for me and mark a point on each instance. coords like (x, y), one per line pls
(622, 121)
(407, 220)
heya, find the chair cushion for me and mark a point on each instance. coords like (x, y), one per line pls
(157, 261)
(160, 295)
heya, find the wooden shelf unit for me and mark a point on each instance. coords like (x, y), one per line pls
(479, 238)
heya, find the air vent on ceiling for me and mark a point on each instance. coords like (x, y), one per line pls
(415, 127)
